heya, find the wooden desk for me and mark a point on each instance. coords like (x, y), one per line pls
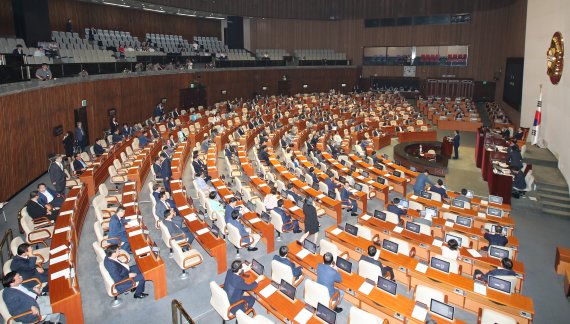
(140, 167)
(562, 262)
(399, 184)
(464, 125)
(428, 136)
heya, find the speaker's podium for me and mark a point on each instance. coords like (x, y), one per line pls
(284, 87)
(193, 97)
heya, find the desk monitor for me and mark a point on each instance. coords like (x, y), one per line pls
(451, 236)
(441, 309)
(397, 162)
(351, 229)
(265, 217)
(387, 285)
(496, 200)
(469, 194)
(499, 284)
(365, 174)
(331, 194)
(344, 264)
(494, 212)
(341, 179)
(379, 166)
(380, 215)
(326, 314)
(315, 186)
(381, 180)
(357, 187)
(425, 194)
(413, 227)
(458, 203)
(284, 194)
(300, 202)
(431, 212)
(498, 253)
(287, 289)
(215, 230)
(250, 205)
(310, 246)
(343, 162)
(464, 221)
(271, 183)
(505, 230)
(385, 156)
(390, 246)
(412, 168)
(398, 174)
(404, 204)
(353, 168)
(439, 264)
(257, 267)
(292, 170)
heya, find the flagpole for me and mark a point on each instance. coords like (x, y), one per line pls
(537, 119)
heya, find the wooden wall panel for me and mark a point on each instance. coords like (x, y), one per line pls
(138, 22)
(28, 117)
(6, 18)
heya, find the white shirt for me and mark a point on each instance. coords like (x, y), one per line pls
(448, 253)
(48, 195)
(270, 201)
(26, 291)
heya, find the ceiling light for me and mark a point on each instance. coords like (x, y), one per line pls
(185, 14)
(155, 10)
(116, 4)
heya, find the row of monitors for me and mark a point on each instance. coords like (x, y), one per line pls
(461, 203)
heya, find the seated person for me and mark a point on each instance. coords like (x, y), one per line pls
(162, 205)
(330, 183)
(120, 271)
(506, 269)
(143, 140)
(313, 175)
(157, 189)
(235, 286)
(292, 193)
(395, 208)
(215, 205)
(293, 223)
(463, 196)
(97, 148)
(370, 258)
(327, 275)
(36, 210)
(518, 135)
(79, 165)
(117, 231)
(24, 263)
(20, 299)
(201, 184)
(282, 257)
(346, 200)
(496, 238)
(270, 200)
(451, 251)
(519, 181)
(514, 156)
(174, 228)
(438, 187)
(117, 137)
(253, 240)
(230, 207)
(49, 196)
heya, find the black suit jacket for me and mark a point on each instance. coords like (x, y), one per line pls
(18, 303)
(57, 177)
(26, 267)
(35, 210)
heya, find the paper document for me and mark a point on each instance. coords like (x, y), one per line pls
(366, 217)
(420, 267)
(71, 198)
(67, 212)
(370, 181)
(294, 208)
(302, 254)
(61, 273)
(177, 191)
(303, 317)
(142, 250)
(365, 288)
(336, 231)
(228, 196)
(437, 242)
(268, 291)
(183, 207)
(414, 197)
(192, 217)
(321, 196)
(305, 187)
(254, 220)
(132, 203)
(474, 253)
(203, 231)
(130, 193)
(398, 229)
(63, 229)
(482, 215)
(58, 249)
(58, 259)
(419, 313)
(445, 206)
(448, 223)
(479, 288)
(137, 232)
(484, 202)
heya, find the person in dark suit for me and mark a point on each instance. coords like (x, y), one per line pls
(346, 200)
(370, 258)
(327, 275)
(282, 257)
(199, 165)
(120, 271)
(56, 174)
(117, 230)
(264, 155)
(20, 299)
(246, 237)
(162, 206)
(456, 139)
(463, 196)
(514, 157)
(25, 264)
(155, 133)
(313, 175)
(36, 210)
(519, 181)
(125, 130)
(506, 269)
(438, 187)
(143, 140)
(18, 51)
(518, 135)
(393, 207)
(49, 196)
(97, 148)
(80, 136)
(159, 110)
(113, 124)
(228, 152)
(230, 207)
(496, 238)
(68, 144)
(166, 170)
(156, 190)
(156, 166)
(174, 227)
(175, 113)
(235, 286)
(116, 137)
(293, 223)
(330, 183)
(311, 220)
(79, 165)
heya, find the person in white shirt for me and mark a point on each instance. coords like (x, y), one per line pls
(202, 185)
(270, 201)
(451, 251)
(337, 139)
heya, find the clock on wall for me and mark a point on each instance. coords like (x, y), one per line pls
(555, 58)
(409, 71)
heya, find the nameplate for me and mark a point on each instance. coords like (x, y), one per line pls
(268, 291)
(366, 217)
(192, 217)
(294, 208)
(445, 206)
(130, 193)
(175, 181)
(420, 267)
(132, 203)
(437, 242)
(293, 179)
(61, 273)
(449, 223)
(321, 196)
(177, 191)
(137, 232)
(398, 229)
(414, 197)
(228, 196)
(142, 250)
(183, 207)
(58, 249)
(203, 231)
(365, 288)
(71, 198)
(303, 317)
(482, 215)
(305, 187)
(474, 253)
(484, 202)
(336, 231)
(67, 212)
(133, 223)
(254, 220)
(370, 182)
(59, 259)
(221, 187)
(63, 229)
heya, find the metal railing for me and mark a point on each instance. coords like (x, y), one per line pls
(179, 314)
(5, 245)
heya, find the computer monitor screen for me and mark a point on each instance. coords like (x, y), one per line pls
(250, 205)
(351, 229)
(326, 314)
(380, 215)
(498, 253)
(385, 156)
(390, 246)
(413, 227)
(257, 267)
(284, 193)
(379, 166)
(265, 217)
(453, 237)
(441, 309)
(457, 203)
(315, 186)
(310, 246)
(430, 213)
(343, 264)
(215, 230)
(342, 179)
(412, 168)
(343, 162)
(398, 174)
(494, 212)
(397, 162)
(505, 230)
(499, 284)
(439, 264)
(287, 289)
(426, 194)
(464, 221)
(387, 285)
(496, 200)
(352, 168)
(365, 174)
(381, 180)
(271, 183)
(357, 187)
(403, 203)
(331, 194)
(469, 194)
(292, 170)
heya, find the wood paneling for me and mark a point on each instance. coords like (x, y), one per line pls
(6, 18)
(28, 117)
(137, 22)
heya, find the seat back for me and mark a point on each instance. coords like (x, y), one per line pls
(450, 216)
(85, 157)
(403, 246)
(392, 217)
(465, 241)
(280, 185)
(316, 293)
(488, 316)
(425, 229)
(117, 164)
(435, 196)
(512, 279)
(233, 235)
(103, 190)
(357, 316)
(7, 267)
(16, 241)
(364, 232)
(323, 187)
(99, 231)
(369, 270)
(165, 234)
(99, 252)
(280, 271)
(277, 221)
(416, 205)
(219, 300)
(107, 280)
(328, 246)
(425, 294)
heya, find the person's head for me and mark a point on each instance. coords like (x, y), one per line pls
(44, 67)
(78, 156)
(112, 250)
(280, 203)
(396, 200)
(155, 187)
(309, 200)
(452, 244)
(426, 172)
(439, 182)
(34, 195)
(163, 156)
(498, 229)
(233, 201)
(212, 195)
(273, 191)
(235, 214)
(507, 263)
(120, 211)
(12, 279)
(236, 266)
(290, 186)
(169, 213)
(23, 248)
(78, 124)
(328, 258)
(58, 158)
(42, 187)
(283, 250)
(162, 196)
(464, 191)
(456, 132)
(372, 251)
(311, 169)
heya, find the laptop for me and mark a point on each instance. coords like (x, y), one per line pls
(464, 221)
(469, 194)
(284, 193)
(397, 162)
(357, 187)
(342, 179)
(413, 227)
(451, 236)
(257, 267)
(439, 264)
(379, 166)
(271, 183)
(326, 314)
(404, 204)
(351, 229)
(496, 200)
(457, 203)
(344, 264)
(385, 156)
(310, 246)
(387, 285)
(441, 309)
(265, 217)
(352, 168)
(390, 246)
(398, 174)
(499, 284)
(343, 162)
(431, 213)
(365, 174)
(494, 212)
(425, 194)
(498, 253)
(287, 289)
(215, 230)
(250, 206)
(380, 215)
(331, 194)
(315, 186)
(381, 180)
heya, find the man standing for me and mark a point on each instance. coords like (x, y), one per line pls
(80, 136)
(56, 174)
(235, 286)
(166, 170)
(456, 139)
(421, 181)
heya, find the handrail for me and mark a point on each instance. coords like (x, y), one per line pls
(179, 313)
(6, 240)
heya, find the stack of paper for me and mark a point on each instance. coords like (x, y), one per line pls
(192, 217)
(420, 267)
(365, 288)
(366, 217)
(336, 231)
(268, 291)
(203, 231)
(137, 232)
(302, 254)
(254, 220)
(303, 317)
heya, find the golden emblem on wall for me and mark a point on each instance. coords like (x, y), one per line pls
(555, 58)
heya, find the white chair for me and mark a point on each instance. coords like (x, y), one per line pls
(328, 246)
(415, 205)
(185, 259)
(278, 224)
(41, 253)
(454, 266)
(403, 247)
(364, 232)
(450, 216)
(435, 196)
(316, 294)
(369, 270)
(465, 241)
(242, 318)
(35, 231)
(280, 271)
(111, 199)
(488, 316)
(100, 254)
(392, 217)
(236, 239)
(424, 295)
(358, 316)
(110, 285)
(221, 303)
(116, 178)
(101, 237)
(247, 196)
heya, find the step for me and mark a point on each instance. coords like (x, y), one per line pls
(556, 212)
(546, 163)
(555, 205)
(558, 198)
(551, 191)
(551, 186)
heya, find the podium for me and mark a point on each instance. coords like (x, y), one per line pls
(447, 147)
